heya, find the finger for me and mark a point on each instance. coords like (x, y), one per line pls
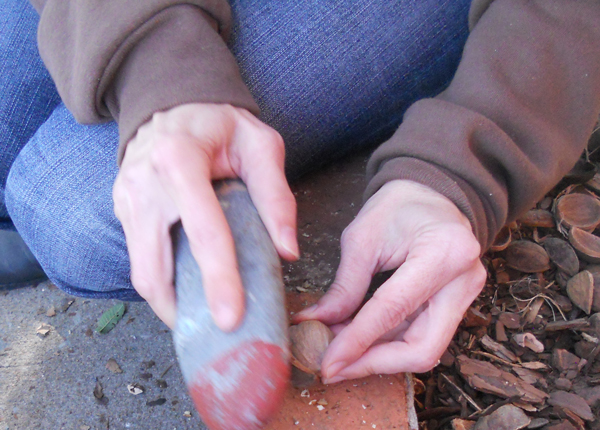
(154, 282)
(426, 339)
(150, 253)
(409, 287)
(210, 239)
(262, 169)
(352, 280)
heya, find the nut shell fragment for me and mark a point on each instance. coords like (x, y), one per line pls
(527, 256)
(502, 240)
(578, 210)
(580, 289)
(309, 340)
(586, 244)
(537, 218)
(562, 254)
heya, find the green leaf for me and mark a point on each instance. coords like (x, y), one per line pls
(110, 318)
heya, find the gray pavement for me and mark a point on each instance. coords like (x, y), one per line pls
(48, 382)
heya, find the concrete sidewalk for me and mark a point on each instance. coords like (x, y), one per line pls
(48, 382)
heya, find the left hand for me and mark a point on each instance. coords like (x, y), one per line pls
(411, 318)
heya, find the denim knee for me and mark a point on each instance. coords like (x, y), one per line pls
(336, 76)
(59, 196)
(27, 94)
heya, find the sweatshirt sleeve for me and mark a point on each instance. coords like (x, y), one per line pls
(126, 60)
(513, 121)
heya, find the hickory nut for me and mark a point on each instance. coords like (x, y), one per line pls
(309, 341)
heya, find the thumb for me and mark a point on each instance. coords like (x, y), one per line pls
(352, 280)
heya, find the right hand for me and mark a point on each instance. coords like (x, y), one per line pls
(166, 175)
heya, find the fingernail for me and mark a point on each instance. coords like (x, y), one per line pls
(225, 317)
(333, 380)
(289, 242)
(304, 314)
(334, 369)
(309, 310)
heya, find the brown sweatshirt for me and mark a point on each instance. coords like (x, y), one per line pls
(513, 121)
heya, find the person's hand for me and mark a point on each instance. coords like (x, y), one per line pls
(411, 318)
(166, 175)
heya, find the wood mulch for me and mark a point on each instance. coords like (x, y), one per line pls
(527, 352)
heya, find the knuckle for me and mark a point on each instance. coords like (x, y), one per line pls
(352, 237)
(370, 369)
(131, 193)
(479, 277)
(427, 361)
(392, 311)
(202, 238)
(276, 141)
(163, 154)
(126, 185)
(272, 145)
(158, 121)
(471, 249)
(144, 286)
(364, 342)
(338, 289)
(460, 247)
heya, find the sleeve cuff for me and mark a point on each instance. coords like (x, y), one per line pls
(178, 59)
(439, 179)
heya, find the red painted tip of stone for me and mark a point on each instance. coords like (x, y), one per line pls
(243, 389)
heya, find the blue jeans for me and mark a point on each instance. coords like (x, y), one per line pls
(332, 77)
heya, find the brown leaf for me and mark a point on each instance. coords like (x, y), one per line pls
(51, 312)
